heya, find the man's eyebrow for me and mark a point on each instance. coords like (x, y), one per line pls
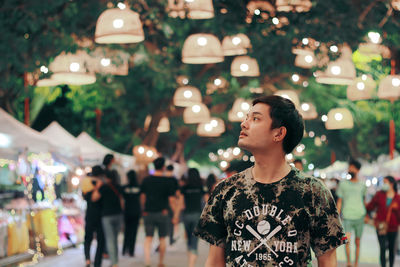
(255, 113)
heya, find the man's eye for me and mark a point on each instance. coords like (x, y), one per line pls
(255, 118)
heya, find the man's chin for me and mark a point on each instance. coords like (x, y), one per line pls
(243, 145)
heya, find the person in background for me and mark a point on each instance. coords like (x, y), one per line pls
(211, 182)
(112, 203)
(387, 204)
(351, 203)
(192, 192)
(109, 163)
(175, 187)
(132, 212)
(93, 219)
(298, 164)
(156, 194)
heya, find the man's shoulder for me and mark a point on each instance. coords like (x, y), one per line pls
(235, 180)
(307, 181)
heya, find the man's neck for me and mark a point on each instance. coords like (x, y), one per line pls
(354, 180)
(158, 173)
(270, 168)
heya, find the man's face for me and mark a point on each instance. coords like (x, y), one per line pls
(256, 129)
(353, 169)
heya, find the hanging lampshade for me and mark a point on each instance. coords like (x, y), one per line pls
(255, 8)
(245, 66)
(163, 125)
(237, 116)
(202, 48)
(72, 69)
(389, 87)
(108, 61)
(293, 5)
(215, 127)
(339, 118)
(308, 111)
(236, 45)
(361, 88)
(197, 113)
(176, 8)
(145, 154)
(187, 96)
(199, 9)
(291, 95)
(242, 105)
(219, 84)
(304, 58)
(118, 26)
(47, 82)
(371, 49)
(395, 4)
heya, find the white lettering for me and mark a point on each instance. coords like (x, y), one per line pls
(282, 246)
(278, 217)
(273, 211)
(238, 259)
(233, 246)
(295, 247)
(288, 260)
(264, 209)
(239, 225)
(276, 244)
(256, 210)
(246, 245)
(292, 233)
(289, 247)
(287, 220)
(237, 232)
(248, 214)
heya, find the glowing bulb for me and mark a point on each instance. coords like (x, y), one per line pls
(75, 181)
(252, 159)
(141, 150)
(202, 41)
(334, 48)
(311, 134)
(360, 86)
(305, 41)
(5, 141)
(295, 77)
(245, 106)
(396, 82)
(196, 108)
(236, 151)
(275, 21)
(44, 69)
(338, 116)
(185, 81)
(121, 5)
(79, 172)
(305, 84)
(236, 40)
(308, 59)
(364, 77)
(299, 149)
(311, 166)
(368, 183)
(118, 23)
(74, 67)
(375, 37)
(324, 118)
(305, 106)
(226, 154)
(105, 62)
(220, 151)
(323, 175)
(217, 82)
(336, 70)
(240, 114)
(289, 156)
(223, 164)
(208, 127)
(323, 138)
(214, 123)
(245, 158)
(187, 94)
(149, 153)
(244, 67)
(374, 180)
(257, 12)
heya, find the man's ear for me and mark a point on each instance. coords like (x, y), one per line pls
(280, 133)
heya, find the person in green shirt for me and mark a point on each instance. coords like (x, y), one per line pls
(351, 203)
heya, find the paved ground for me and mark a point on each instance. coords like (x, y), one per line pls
(176, 255)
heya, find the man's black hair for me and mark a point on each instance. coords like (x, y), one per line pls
(132, 178)
(159, 163)
(392, 181)
(107, 159)
(284, 113)
(355, 163)
(97, 171)
(170, 167)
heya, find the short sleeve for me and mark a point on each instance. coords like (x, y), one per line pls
(326, 229)
(340, 189)
(211, 226)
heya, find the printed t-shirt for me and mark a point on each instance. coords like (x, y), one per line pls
(273, 224)
(192, 195)
(132, 202)
(352, 195)
(157, 190)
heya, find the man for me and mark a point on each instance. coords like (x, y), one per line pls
(351, 202)
(156, 193)
(270, 214)
(177, 200)
(298, 164)
(93, 218)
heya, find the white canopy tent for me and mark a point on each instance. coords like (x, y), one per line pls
(16, 136)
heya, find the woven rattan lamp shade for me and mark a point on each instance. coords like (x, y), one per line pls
(341, 71)
(197, 113)
(361, 88)
(304, 58)
(108, 61)
(72, 69)
(47, 82)
(145, 154)
(118, 26)
(215, 127)
(239, 110)
(291, 95)
(202, 48)
(200, 9)
(389, 87)
(237, 116)
(245, 66)
(187, 96)
(293, 5)
(308, 111)
(163, 125)
(339, 118)
(236, 45)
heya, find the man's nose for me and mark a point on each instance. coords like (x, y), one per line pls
(244, 124)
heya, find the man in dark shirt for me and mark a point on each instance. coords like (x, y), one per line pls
(157, 193)
(93, 220)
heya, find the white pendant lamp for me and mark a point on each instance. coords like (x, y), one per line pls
(112, 62)
(239, 110)
(199, 9)
(163, 125)
(339, 118)
(47, 83)
(304, 58)
(244, 66)
(361, 88)
(236, 45)
(72, 69)
(202, 48)
(187, 96)
(145, 154)
(237, 116)
(219, 84)
(118, 26)
(308, 111)
(389, 87)
(293, 5)
(255, 8)
(214, 128)
(197, 113)
(291, 95)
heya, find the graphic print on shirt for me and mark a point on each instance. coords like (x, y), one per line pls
(265, 224)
